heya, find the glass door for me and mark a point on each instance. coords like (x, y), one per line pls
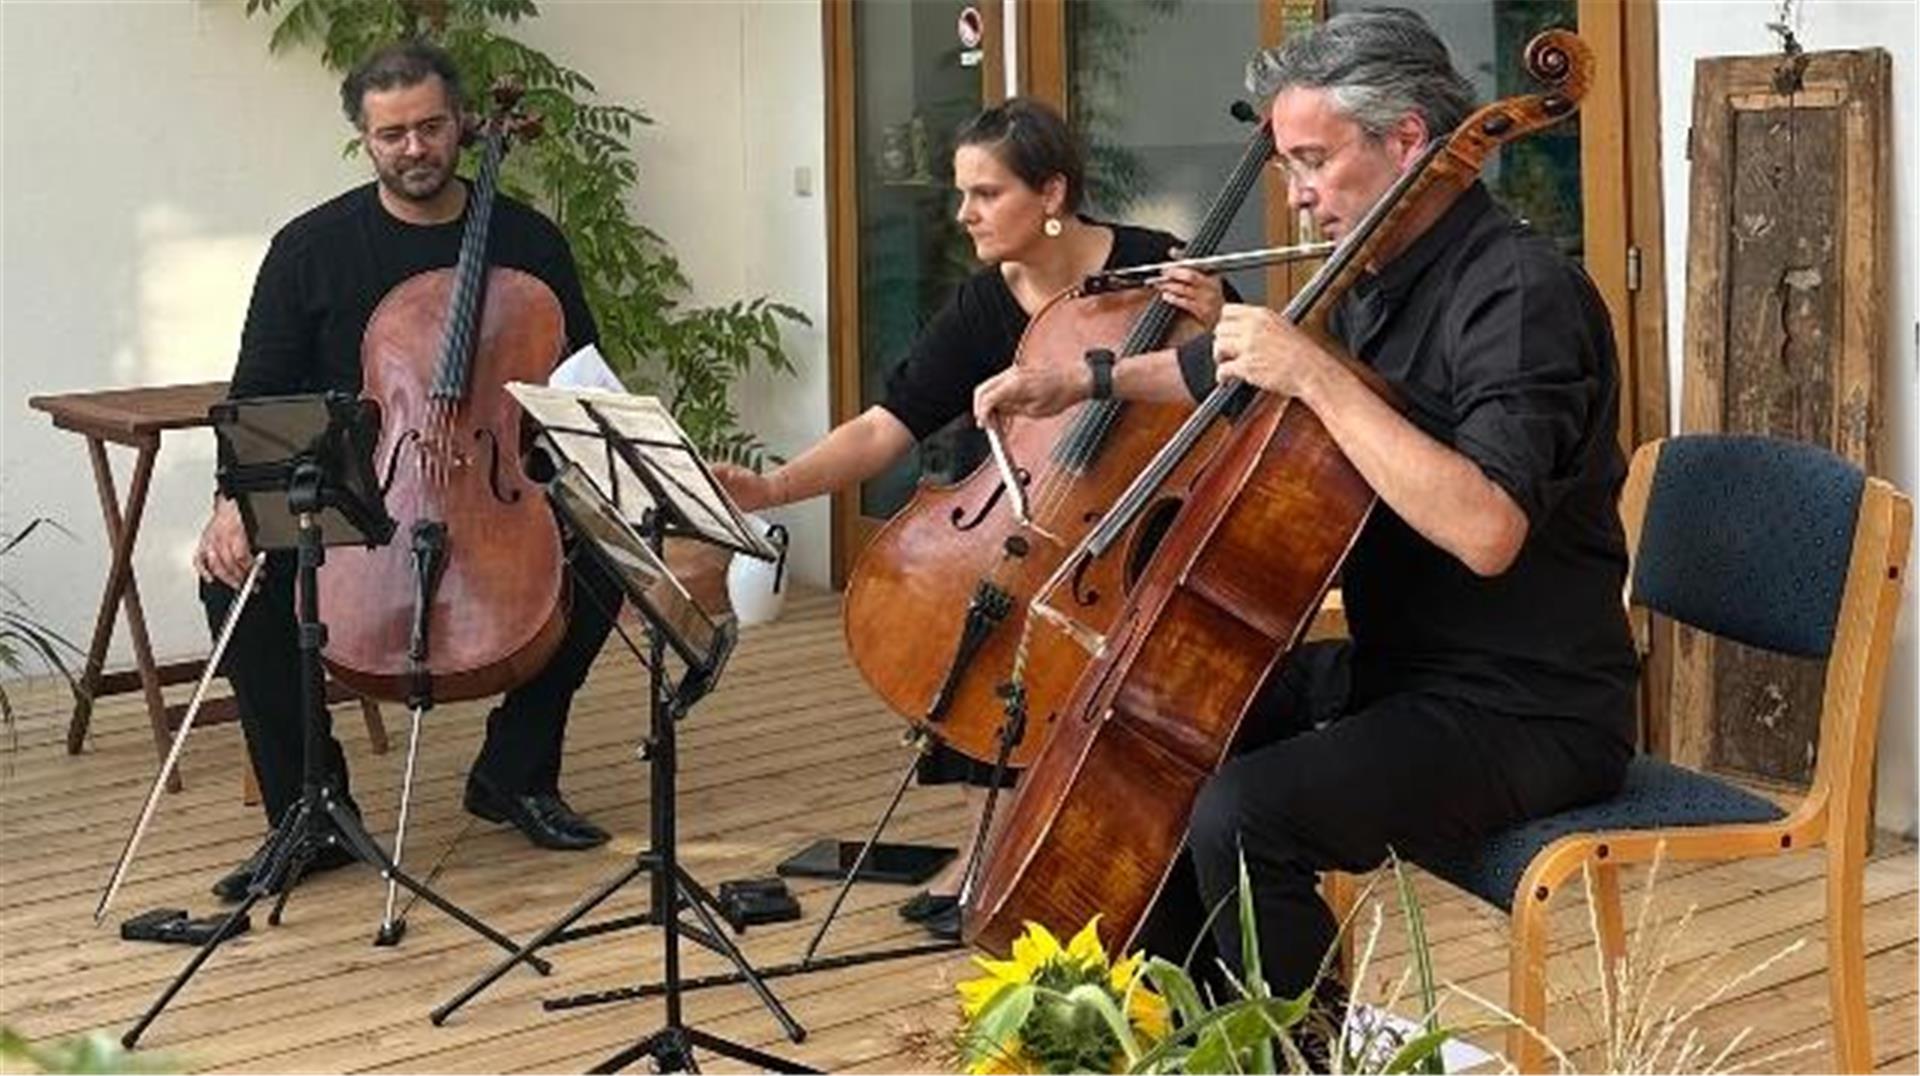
(1151, 97)
(1537, 178)
(905, 76)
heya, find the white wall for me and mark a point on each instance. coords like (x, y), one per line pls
(737, 92)
(1690, 29)
(151, 149)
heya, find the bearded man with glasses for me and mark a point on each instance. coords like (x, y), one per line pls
(324, 274)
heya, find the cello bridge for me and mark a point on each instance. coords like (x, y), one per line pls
(1093, 642)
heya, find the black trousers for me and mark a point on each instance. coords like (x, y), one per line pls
(524, 732)
(1322, 779)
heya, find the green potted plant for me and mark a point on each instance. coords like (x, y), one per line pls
(581, 172)
(27, 644)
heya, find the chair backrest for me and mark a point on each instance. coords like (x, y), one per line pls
(1785, 546)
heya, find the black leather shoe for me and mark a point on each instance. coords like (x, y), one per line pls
(945, 923)
(578, 822)
(926, 904)
(232, 886)
(541, 816)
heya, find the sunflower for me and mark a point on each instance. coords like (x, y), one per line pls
(1060, 1034)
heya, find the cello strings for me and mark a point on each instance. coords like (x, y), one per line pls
(1212, 230)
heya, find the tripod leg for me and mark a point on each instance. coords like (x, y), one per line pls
(132, 1037)
(301, 855)
(355, 834)
(765, 1062)
(282, 855)
(794, 1031)
(439, 1015)
(670, 1056)
(1012, 729)
(165, 775)
(846, 884)
(392, 930)
(286, 863)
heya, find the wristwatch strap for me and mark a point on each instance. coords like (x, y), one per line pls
(1100, 361)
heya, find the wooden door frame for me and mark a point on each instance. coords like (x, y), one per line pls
(1628, 57)
(850, 531)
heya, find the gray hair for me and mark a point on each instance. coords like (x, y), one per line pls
(1377, 64)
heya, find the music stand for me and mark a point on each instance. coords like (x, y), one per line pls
(300, 469)
(627, 479)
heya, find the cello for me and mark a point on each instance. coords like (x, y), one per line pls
(471, 604)
(1102, 813)
(935, 612)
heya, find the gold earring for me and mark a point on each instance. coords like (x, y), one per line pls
(1053, 227)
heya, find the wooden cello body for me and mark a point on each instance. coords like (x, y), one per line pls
(935, 611)
(436, 357)
(1101, 815)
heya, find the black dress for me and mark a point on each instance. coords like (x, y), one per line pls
(971, 339)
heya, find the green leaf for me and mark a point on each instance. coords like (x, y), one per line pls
(1422, 957)
(1172, 982)
(1096, 997)
(998, 1022)
(584, 175)
(1422, 1053)
(1252, 982)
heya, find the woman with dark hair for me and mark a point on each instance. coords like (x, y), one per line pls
(1020, 179)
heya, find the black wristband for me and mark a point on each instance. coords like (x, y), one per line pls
(1100, 361)
(1196, 366)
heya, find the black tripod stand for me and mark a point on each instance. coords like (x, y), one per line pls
(320, 819)
(674, 620)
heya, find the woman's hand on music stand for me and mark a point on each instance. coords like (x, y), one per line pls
(750, 490)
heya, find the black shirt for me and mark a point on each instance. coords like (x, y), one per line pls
(974, 337)
(329, 267)
(1499, 347)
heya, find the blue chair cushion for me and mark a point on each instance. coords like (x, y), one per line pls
(1749, 538)
(1656, 795)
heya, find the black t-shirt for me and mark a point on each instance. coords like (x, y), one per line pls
(328, 269)
(974, 337)
(1499, 347)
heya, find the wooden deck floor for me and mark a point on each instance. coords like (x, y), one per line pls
(790, 748)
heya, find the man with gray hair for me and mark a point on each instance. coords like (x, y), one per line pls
(1490, 674)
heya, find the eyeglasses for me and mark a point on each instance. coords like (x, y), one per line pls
(1305, 167)
(393, 139)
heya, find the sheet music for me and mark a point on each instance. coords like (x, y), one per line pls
(575, 436)
(586, 369)
(567, 419)
(641, 574)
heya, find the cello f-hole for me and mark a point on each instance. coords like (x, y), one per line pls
(393, 459)
(486, 436)
(963, 522)
(1082, 593)
(1153, 527)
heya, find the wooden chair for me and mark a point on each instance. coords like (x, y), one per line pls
(1775, 544)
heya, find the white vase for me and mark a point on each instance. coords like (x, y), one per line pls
(757, 588)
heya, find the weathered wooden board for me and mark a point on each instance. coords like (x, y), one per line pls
(1785, 327)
